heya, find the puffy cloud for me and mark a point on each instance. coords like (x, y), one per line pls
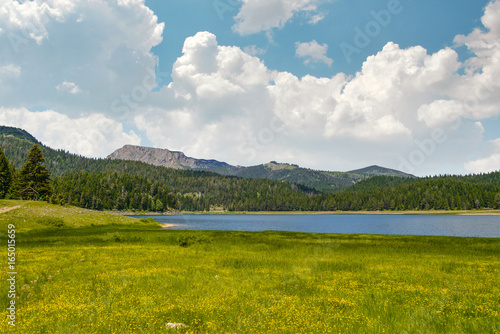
(93, 136)
(28, 19)
(490, 163)
(304, 104)
(208, 74)
(10, 72)
(316, 18)
(101, 46)
(383, 98)
(440, 112)
(313, 52)
(68, 87)
(253, 50)
(485, 165)
(478, 89)
(262, 15)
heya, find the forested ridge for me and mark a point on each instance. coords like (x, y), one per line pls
(104, 184)
(326, 182)
(433, 193)
(124, 191)
(8, 131)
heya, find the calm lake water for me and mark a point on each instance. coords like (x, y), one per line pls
(443, 225)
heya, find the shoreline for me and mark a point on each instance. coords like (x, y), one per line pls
(163, 226)
(491, 212)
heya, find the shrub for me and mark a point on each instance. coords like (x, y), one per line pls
(148, 220)
(51, 221)
(113, 237)
(186, 240)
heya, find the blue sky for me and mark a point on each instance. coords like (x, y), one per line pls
(431, 24)
(326, 84)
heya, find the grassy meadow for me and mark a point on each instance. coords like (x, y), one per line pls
(90, 272)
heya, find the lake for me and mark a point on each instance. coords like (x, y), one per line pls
(437, 225)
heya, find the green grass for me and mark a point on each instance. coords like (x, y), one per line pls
(35, 215)
(133, 277)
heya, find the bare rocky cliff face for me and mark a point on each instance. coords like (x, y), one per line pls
(163, 157)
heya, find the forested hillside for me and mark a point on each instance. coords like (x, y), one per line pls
(123, 191)
(188, 191)
(130, 185)
(8, 131)
(327, 182)
(104, 184)
(380, 182)
(439, 193)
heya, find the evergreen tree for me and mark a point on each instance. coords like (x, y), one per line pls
(15, 187)
(5, 175)
(34, 174)
(159, 205)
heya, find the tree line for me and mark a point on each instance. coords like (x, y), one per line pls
(437, 193)
(132, 192)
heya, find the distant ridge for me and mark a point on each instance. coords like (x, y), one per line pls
(8, 131)
(323, 181)
(326, 182)
(163, 157)
(377, 170)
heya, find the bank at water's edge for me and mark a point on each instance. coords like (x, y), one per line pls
(388, 212)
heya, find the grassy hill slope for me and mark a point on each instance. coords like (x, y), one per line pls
(40, 215)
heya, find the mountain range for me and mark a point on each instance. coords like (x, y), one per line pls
(323, 181)
(316, 180)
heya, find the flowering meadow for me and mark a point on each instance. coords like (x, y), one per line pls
(111, 274)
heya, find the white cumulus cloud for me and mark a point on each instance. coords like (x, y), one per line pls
(490, 163)
(68, 87)
(102, 46)
(440, 112)
(10, 72)
(313, 52)
(263, 15)
(93, 136)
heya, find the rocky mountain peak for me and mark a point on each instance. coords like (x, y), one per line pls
(163, 157)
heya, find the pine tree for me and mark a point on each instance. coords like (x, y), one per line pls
(35, 175)
(159, 205)
(5, 175)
